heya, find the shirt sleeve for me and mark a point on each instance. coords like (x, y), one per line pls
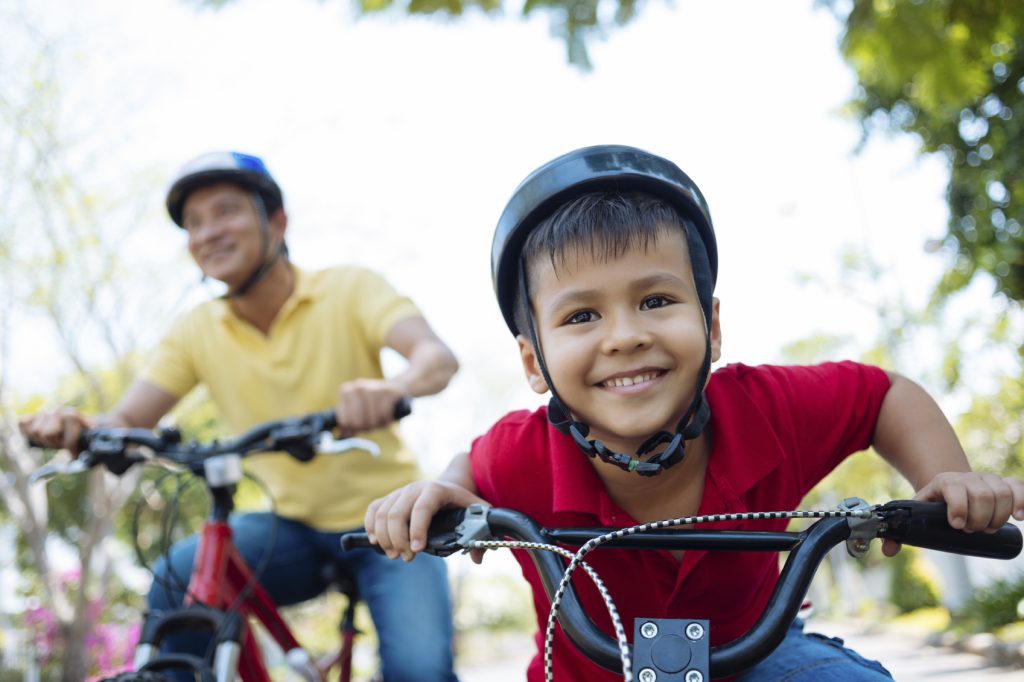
(828, 412)
(379, 307)
(169, 365)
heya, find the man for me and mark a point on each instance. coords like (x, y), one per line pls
(283, 342)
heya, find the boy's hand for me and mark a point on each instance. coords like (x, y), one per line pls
(399, 521)
(974, 501)
(55, 429)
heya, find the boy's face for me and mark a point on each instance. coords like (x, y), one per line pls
(623, 338)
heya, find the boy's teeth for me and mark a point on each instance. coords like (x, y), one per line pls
(629, 381)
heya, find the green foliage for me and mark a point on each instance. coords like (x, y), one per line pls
(992, 606)
(910, 589)
(574, 21)
(952, 73)
(992, 429)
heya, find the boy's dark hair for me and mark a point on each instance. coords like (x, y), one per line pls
(603, 225)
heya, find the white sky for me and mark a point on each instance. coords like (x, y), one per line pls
(397, 143)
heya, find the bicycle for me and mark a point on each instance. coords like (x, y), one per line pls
(678, 649)
(223, 595)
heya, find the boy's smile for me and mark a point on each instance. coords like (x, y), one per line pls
(623, 337)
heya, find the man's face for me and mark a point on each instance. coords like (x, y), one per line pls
(623, 338)
(223, 232)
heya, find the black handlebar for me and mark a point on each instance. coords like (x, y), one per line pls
(921, 524)
(924, 524)
(297, 436)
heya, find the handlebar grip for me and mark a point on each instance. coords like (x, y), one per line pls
(925, 525)
(441, 536)
(357, 540)
(403, 408)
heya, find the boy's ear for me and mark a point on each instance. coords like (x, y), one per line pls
(716, 331)
(531, 366)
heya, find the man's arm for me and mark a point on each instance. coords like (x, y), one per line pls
(914, 436)
(142, 406)
(365, 404)
(431, 363)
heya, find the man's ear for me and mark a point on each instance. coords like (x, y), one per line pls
(278, 222)
(531, 366)
(716, 331)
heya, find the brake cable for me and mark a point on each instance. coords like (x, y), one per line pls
(851, 508)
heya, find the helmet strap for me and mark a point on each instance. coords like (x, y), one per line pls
(267, 259)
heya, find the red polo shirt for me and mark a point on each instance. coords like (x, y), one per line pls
(777, 431)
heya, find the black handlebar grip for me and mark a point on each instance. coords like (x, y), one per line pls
(403, 408)
(357, 540)
(925, 525)
(83, 442)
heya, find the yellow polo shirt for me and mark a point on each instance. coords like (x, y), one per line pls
(329, 331)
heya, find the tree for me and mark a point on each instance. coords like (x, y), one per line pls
(61, 255)
(951, 72)
(575, 21)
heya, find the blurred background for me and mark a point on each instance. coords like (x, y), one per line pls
(862, 160)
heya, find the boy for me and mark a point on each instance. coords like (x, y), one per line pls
(604, 264)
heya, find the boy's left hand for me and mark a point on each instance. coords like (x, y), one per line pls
(974, 501)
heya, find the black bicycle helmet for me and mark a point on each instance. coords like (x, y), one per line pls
(615, 169)
(244, 169)
(603, 168)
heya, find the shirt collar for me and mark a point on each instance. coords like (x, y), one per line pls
(574, 483)
(745, 445)
(733, 469)
(305, 289)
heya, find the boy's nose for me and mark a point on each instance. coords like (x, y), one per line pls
(625, 335)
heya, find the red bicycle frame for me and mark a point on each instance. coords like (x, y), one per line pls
(222, 580)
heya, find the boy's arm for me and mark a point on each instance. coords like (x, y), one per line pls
(914, 436)
(398, 522)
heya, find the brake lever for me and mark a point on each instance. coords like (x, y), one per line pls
(52, 469)
(329, 445)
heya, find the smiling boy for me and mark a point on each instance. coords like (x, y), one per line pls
(604, 263)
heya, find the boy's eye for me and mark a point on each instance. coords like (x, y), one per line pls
(580, 317)
(652, 302)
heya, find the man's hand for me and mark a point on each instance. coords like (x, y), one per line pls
(59, 428)
(974, 501)
(366, 404)
(399, 521)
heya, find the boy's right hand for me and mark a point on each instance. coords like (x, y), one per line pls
(55, 429)
(398, 522)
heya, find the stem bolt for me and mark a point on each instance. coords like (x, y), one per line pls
(694, 631)
(647, 675)
(693, 676)
(649, 630)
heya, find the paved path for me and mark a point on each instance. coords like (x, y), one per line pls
(911, 660)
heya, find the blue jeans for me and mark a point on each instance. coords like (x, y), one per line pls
(409, 602)
(810, 657)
